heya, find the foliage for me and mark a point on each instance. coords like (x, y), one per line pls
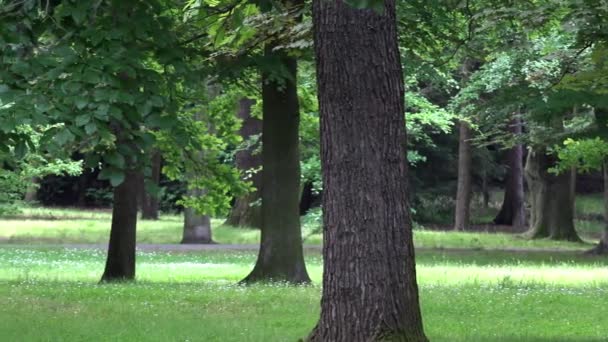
(584, 154)
(111, 78)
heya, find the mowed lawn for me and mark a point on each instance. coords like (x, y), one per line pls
(51, 294)
(43, 226)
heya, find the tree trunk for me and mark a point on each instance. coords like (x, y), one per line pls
(197, 228)
(247, 211)
(463, 192)
(552, 207)
(485, 190)
(602, 246)
(120, 263)
(32, 191)
(369, 279)
(281, 256)
(512, 211)
(149, 207)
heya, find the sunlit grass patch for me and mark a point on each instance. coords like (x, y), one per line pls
(64, 264)
(50, 294)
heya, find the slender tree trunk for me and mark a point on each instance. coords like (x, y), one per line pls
(281, 256)
(149, 207)
(485, 190)
(551, 199)
(247, 211)
(512, 211)
(602, 246)
(32, 191)
(120, 263)
(197, 227)
(463, 193)
(369, 279)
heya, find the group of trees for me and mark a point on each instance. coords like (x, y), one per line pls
(224, 93)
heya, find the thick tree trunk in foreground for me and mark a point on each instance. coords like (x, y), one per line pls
(369, 278)
(602, 246)
(120, 263)
(463, 192)
(513, 211)
(550, 196)
(149, 206)
(281, 256)
(246, 211)
(197, 228)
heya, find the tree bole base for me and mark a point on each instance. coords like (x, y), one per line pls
(536, 234)
(381, 336)
(273, 276)
(197, 242)
(600, 249)
(115, 280)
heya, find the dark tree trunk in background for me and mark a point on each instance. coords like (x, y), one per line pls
(32, 191)
(120, 263)
(602, 246)
(247, 210)
(485, 190)
(552, 213)
(369, 278)
(197, 228)
(463, 192)
(281, 256)
(513, 211)
(149, 206)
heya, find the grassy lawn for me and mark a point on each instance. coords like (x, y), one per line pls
(51, 294)
(64, 226)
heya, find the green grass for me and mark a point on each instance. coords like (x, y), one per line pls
(66, 226)
(589, 204)
(51, 294)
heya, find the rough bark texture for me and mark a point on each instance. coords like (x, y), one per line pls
(197, 228)
(369, 280)
(247, 211)
(552, 213)
(513, 211)
(120, 262)
(602, 246)
(463, 192)
(149, 206)
(281, 256)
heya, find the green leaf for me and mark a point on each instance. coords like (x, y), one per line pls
(90, 128)
(116, 177)
(82, 120)
(64, 136)
(20, 149)
(115, 159)
(81, 103)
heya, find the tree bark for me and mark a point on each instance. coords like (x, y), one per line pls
(512, 211)
(550, 195)
(247, 211)
(149, 207)
(197, 227)
(369, 279)
(120, 262)
(463, 192)
(485, 190)
(281, 255)
(602, 246)
(32, 191)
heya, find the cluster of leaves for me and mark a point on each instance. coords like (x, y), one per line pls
(584, 154)
(109, 78)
